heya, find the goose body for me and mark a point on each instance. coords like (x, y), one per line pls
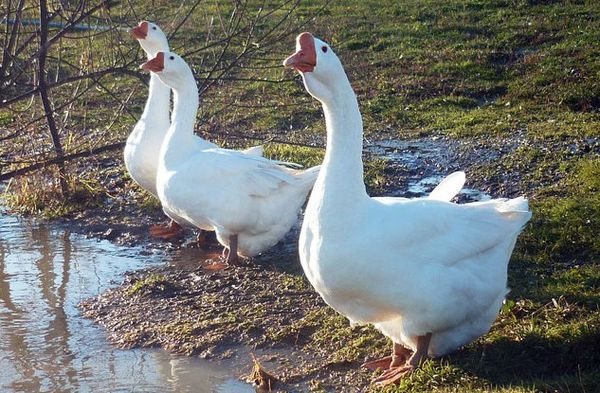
(429, 274)
(411, 271)
(250, 201)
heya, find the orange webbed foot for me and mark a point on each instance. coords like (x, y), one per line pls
(171, 231)
(378, 364)
(393, 375)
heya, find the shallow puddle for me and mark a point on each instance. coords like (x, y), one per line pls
(45, 343)
(425, 162)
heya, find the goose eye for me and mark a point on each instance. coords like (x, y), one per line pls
(324, 49)
(172, 57)
(153, 27)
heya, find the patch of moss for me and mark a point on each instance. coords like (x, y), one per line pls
(374, 174)
(149, 284)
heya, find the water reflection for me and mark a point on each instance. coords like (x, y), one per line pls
(45, 345)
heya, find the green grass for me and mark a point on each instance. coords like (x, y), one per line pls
(567, 218)
(468, 68)
(305, 156)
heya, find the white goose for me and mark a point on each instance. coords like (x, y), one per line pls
(429, 274)
(251, 202)
(143, 144)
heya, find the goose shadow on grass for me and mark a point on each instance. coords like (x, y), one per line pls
(547, 337)
(537, 362)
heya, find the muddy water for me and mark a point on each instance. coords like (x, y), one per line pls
(46, 345)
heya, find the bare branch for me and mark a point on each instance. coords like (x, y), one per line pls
(43, 91)
(66, 158)
(92, 75)
(10, 42)
(184, 19)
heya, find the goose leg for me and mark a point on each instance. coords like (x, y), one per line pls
(398, 357)
(229, 254)
(167, 232)
(232, 257)
(205, 238)
(395, 374)
(201, 239)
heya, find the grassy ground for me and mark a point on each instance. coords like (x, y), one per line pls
(495, 73)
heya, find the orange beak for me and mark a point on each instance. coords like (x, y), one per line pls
(140, 31)
(305, 59)
(155, 65)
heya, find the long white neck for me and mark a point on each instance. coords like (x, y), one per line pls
(159, 95)
(158, 103)
(180, 140)
(341, 175)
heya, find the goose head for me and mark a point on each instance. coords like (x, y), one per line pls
(151, 38)
(321, 69)
(172, 70)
